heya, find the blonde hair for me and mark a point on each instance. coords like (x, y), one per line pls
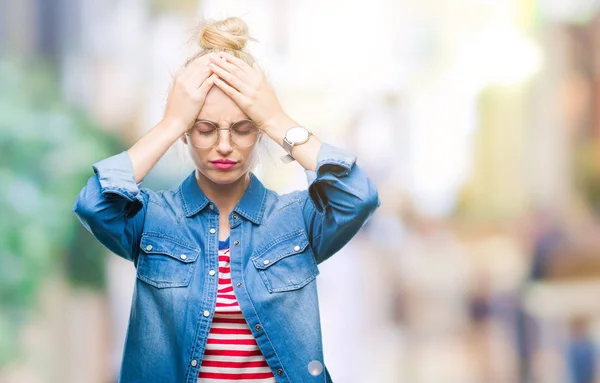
(228, 35)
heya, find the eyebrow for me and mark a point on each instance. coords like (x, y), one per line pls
(204, 119)
(217, 124)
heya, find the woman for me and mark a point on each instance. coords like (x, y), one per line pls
(225, 287)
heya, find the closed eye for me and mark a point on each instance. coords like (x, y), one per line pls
(244, 127)
(204, 128)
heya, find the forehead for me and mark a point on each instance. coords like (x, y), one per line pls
(219, 107)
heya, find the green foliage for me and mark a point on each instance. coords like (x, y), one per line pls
(46, 152)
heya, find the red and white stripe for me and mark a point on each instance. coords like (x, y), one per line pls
(231, 351)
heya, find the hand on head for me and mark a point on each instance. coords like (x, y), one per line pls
(222, 62)
(247, 86)
(187, 96)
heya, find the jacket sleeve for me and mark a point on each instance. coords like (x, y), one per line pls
(112, 207)
(341, 199)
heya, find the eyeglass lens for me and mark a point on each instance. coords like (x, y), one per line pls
(205, 134)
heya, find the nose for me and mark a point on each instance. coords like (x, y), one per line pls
(224, 146)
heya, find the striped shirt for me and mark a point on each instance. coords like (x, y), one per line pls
(231, 351)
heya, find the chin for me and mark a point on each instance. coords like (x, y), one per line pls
(223, 177)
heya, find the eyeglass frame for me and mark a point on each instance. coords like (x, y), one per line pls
(218, 135)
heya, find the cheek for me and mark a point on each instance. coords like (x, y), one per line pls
(198, 155)
(252, 158)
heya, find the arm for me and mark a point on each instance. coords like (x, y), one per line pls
(342, 198)
(184, 102)
(112, 208)
(111, 205)
(248, 87)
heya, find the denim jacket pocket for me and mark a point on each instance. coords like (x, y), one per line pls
(287, 263)
(166, 262)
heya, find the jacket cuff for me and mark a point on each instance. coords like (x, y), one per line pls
(115, 175)
(332, 163)
(334, 160)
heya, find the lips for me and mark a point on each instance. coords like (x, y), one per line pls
(223, 164)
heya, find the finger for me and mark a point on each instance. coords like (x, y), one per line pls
(196, 76)
(229, 67)
(199, 61)
(204, 75)
(259, 71)
(232, 79)
(206, 85)
(230, 91)
(194, 68)
(236, 61)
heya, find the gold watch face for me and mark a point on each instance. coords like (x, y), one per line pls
(297, 135)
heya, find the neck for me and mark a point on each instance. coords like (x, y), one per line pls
(225, 196)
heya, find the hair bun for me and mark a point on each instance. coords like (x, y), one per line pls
(228, 34)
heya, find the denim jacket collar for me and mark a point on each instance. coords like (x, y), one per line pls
(253, 202)
(251, 206)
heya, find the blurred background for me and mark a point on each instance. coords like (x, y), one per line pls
(477, 119)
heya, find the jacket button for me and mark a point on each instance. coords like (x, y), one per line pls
(239, 284)
(279, 372)
(297, 248)
(194, 363)
(183, 256)
(206, 313)
(315, 368)
(149, 247)
(236, 243)
(257, 327)
(212, 231)
(211, 206)
(212, 272)
(234, 216)
(266, 262)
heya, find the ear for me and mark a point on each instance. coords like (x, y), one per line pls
(184, 139)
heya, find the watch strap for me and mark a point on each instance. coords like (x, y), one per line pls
(287, 159)
(287, 145)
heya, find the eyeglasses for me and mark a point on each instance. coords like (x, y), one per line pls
(205, 134)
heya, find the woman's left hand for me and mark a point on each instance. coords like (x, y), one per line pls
(248, 87)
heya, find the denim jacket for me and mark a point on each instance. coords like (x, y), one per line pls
(277, 242)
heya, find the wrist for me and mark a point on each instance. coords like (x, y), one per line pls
(176, 127)
(277, 126)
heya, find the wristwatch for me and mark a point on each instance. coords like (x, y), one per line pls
(296, 135)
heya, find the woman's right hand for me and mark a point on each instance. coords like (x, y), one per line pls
(186, 98)
(190, 87)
